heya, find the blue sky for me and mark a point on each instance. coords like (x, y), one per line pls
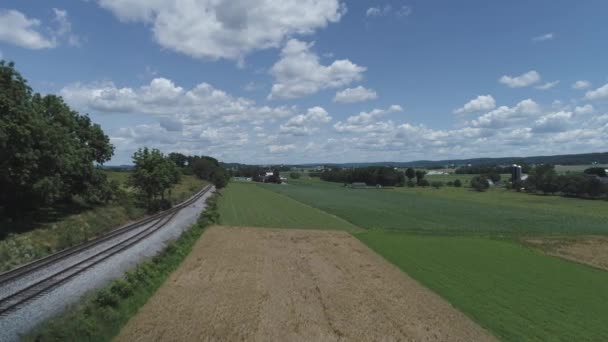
(323, 81)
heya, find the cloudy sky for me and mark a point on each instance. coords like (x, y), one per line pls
(295, 81)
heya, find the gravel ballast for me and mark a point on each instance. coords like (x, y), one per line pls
(18, 322)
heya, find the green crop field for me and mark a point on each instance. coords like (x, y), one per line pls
(516, 293)
(244, 204)
(459, 243)
(455, 210)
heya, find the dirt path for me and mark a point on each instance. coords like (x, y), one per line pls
(293, 285)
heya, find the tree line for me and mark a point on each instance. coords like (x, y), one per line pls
(51, 155)
(154, 174)
(544, 179)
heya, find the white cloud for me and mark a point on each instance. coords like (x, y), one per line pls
(553, 122)
(364, 121)
(305, 124)
(504, 116)
(522, 80)
(480, 103)
(378, 11)
(298, 73)
(599, 93)
(547, 85)
(162, 98)
(544, 37)
(582, 84)
(17, 29)
(382, 11)
(280, 149)
(226, 29)
(404, 11)
(357, 94)
(64, 28)
(586, 109)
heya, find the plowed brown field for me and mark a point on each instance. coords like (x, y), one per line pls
(293, 285)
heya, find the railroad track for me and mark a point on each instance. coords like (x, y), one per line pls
(48, 283)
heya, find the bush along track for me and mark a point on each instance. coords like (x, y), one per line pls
(99, 316)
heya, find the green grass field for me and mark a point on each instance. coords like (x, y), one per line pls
(516, 293)
(244, 204)
(454, 210)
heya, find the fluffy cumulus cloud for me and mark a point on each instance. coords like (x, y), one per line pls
(520, 81)
(163, 98)
(306, 124)
(366, 121)
(581, 84)
(17, 29)
(357, 94)
(505, 116)
(478, 104)
(553, 122)
(586, 109)
(299, 73)
(599, 93)
(226, 29)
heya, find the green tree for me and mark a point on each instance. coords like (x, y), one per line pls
(178, 159)
(153, 175)
(294, 175)
(410, 173)
(480, 183)
(48, 152)
(203, 168)
(420, 176)
(457, 183)
(220, 178)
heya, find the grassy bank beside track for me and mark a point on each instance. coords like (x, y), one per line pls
(514, 292)
(83, 225)
(249, 205)
(99, 316)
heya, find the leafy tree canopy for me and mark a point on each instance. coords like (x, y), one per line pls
(48, 152)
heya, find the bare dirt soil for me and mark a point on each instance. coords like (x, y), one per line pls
(590, 250)
(293, 285)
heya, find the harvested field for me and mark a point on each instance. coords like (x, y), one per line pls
(286, 285)
(590, 250)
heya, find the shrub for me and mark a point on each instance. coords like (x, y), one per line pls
(410, 183)
(480, 183)
(436, 184)
(423, 182)
(294, 175)
(457, 183)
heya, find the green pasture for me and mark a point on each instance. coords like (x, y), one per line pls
(244, 204)
(454, 210)
(514, 292)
